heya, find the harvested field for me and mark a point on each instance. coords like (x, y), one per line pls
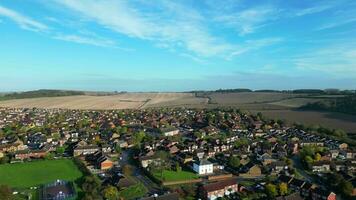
(295, 102)
(120, 101)
(249, 97)
(326, 119)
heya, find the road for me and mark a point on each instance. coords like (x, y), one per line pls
(299, 167)
(138, 174)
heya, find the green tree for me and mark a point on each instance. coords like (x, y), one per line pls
(111, 193)
(234, 161)
(271, 190)
(91, 187)
(138, 137)
(49, 156)
(178, 167)
(346, 188)
(60, 150)
(5, 192)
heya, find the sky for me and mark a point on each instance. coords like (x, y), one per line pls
(181, 45)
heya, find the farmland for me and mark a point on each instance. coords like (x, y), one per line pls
(24, 175)
(272, 104)
(119, 101)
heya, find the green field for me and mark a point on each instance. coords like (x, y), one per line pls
(24, 175)
(175, 176)
(133, 192)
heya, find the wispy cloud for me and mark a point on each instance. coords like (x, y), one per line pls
(313, 10)
(164, 22)
(22, 20)
(86, 40)
(337, 23)
(254, 45)
(249, 20)
(336, 60)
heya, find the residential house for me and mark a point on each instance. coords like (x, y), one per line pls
(321, 166)
(296, 184)
(170, 132)
(334, 153)
(100, 161)
(219, 189)
(250, 170)
(320, 194)
(203, 167)
(85, 150)
(278, 166)
(26, 154)
(148, 160)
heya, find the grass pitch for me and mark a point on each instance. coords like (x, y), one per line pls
(29, 174)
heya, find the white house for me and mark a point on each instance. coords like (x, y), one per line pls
(172, 132)
(203, 167)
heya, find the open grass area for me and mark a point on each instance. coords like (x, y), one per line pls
(24, 175)
(175, 176)
(133, 192)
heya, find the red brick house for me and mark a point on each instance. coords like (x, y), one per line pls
(219, 189)
(26, 154)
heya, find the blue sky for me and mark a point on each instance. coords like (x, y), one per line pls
(139, 45)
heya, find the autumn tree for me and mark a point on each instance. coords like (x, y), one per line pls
(127, 170)
(283, 189)
(111, 193)
(271, 190)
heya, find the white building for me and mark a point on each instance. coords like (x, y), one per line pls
(203, 167)
(171, 132)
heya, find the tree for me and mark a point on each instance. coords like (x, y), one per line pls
(111, 193)
(317, 157)
(346, 188)
(91, 187)
(60, 150)
(127, 170)
(5, 192)
(178, 167)
(271, 190)
(138, 137)
(49, 156)
(4, 159)
(283, 189)
(234, 161)
(118, 148)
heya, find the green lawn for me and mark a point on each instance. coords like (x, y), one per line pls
(24, 175)
(133, 192)
(175, 176)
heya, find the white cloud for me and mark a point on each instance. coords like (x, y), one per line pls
(251, 45)
(313, 10)
(23, 21)
(166, 23)
(249, 20)
(86, 40)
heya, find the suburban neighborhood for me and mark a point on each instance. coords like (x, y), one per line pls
(173, 153)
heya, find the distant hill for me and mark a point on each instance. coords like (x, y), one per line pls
(345, 104)
(40, 93)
